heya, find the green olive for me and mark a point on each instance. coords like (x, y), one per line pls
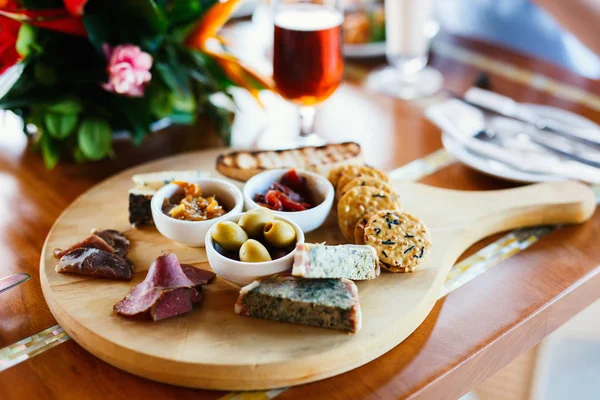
(254, 221)
(279, 234)
(229, 235)
(253, 251)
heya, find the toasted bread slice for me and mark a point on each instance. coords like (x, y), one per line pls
(242, 165)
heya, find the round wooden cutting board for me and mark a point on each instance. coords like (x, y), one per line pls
(212, 347)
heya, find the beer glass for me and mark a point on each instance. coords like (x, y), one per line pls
(409, 28)
(307, 56)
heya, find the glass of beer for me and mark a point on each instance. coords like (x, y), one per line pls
(307, 56)
(409, 28)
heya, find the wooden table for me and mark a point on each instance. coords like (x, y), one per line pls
(471, 333)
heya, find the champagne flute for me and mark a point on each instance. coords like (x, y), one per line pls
(307, 56)
(409, 27)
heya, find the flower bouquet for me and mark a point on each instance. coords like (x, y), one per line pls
(79, 70)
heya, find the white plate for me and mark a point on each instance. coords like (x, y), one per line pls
(503, 171)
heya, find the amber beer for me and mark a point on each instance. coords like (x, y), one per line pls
(307, 53)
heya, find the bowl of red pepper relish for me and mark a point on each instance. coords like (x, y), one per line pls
(304, 197)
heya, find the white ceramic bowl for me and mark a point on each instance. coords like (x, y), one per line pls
(243, 273)
(192, 233)
(309, 220)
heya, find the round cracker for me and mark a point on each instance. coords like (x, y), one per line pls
(361, 170)
(359, 201)
(371, 181)
(336, 173)
(359, 229)
(401, 239)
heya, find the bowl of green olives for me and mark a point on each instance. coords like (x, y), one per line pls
(246, 246)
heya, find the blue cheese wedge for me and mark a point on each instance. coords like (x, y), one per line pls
(350, 261)
(323, 303)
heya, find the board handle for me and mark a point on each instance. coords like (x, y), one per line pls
(566, 202)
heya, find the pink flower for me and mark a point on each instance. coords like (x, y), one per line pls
(128, 69)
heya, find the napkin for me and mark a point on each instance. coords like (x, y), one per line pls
(510, 145)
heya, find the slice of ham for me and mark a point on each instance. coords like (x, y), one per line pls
(96, 263)
(168, 290)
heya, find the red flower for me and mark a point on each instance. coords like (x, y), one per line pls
(74, 7)
(9, 30)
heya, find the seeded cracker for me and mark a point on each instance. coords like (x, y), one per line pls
(357, 172)
(401, 240)
(336, 173)
(371, 181)
(359, 229)
(359, 201)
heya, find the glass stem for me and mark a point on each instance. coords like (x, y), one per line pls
(307, 120)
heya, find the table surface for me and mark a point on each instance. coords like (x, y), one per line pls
(470, 334)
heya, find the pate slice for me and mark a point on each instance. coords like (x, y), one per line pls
(342, 261)
(323, 303)
(401, 239)
(359, 201)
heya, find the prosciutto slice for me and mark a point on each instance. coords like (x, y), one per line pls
(169, 289)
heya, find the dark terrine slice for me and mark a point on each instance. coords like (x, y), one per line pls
(140, 213)
(350, 261)
(323, 303)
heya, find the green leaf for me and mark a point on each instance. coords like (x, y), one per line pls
(184, 11)
(60, 125)
(45, 74)
(98, 27)
(183, 103)
(95, 138)
(67, 106)
(26, 40)
(171, 77)
(160, 102)
(78, 156)
(136, 113)
(183, 117)
(50, 152)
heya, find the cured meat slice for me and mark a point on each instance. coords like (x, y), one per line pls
(198, 276)
(96, 263)
(324, 303)
(91, 242)
(116, 240)
(101, 255)
(166, 291)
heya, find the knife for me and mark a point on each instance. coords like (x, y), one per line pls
(13, 280)
(500, 105)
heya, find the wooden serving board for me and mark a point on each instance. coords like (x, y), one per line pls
(213, 348)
